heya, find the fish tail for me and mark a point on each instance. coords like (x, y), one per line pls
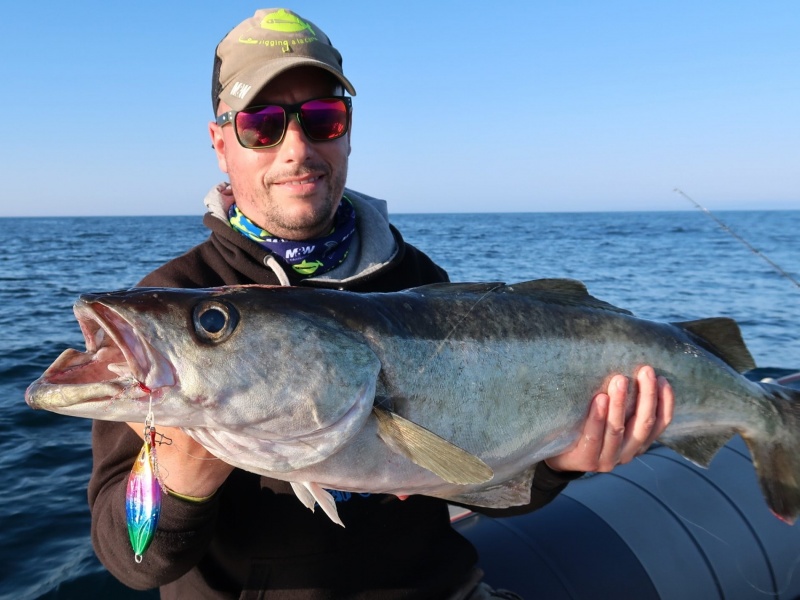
(776, 454)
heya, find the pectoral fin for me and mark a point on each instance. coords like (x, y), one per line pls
(429, 451)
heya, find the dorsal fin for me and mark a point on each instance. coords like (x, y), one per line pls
(724, 338)
(570, 292)
(465, 287)
(558, 285)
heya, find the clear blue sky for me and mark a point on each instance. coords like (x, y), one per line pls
(462, 106)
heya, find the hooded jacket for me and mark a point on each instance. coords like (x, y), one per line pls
(254, 535)
(378, 261)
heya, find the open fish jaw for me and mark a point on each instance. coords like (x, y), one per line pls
(117, 363)
(117, 345)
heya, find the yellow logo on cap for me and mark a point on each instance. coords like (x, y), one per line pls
(284, 22)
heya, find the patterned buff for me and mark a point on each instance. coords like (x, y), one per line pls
(309, 257)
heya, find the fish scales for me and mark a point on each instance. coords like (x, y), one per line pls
(449, 390)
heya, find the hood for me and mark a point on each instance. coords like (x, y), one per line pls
(374, 245)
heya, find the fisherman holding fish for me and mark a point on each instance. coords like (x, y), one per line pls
(282, 135)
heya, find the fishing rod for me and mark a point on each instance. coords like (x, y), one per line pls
(749, 246)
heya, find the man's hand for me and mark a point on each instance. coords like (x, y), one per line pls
(185, 466)
(608, 438)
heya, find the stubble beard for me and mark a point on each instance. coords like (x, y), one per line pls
(310, 223)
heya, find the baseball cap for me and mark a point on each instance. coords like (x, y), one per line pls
(262, 47)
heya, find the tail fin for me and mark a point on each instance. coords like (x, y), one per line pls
(776, 457)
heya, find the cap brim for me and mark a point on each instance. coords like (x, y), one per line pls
(257, 79)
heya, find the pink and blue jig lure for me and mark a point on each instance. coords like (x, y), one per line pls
(143, 498)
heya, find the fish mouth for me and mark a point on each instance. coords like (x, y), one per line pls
(118, 362)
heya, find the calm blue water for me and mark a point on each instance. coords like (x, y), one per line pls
(664, 266)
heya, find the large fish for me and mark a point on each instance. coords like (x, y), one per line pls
(449, 390)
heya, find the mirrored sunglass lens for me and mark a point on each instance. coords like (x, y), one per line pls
(324, 119)
(261, 128)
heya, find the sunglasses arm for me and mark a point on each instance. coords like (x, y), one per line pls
(226, 118)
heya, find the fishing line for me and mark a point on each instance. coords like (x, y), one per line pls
(465, 316)
(669, 503)
(736, 236)
(150, 419)
(150, 435)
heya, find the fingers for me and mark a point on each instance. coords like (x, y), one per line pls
(185, 466)
(614, 438)
(641, 424)
(666, 408)
(609, 438)
(592, 437)
(583, 455)
(654, 409)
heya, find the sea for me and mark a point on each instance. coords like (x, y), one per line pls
(669, 266)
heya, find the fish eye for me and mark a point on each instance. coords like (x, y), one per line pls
(214, 321)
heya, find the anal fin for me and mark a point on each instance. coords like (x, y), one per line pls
(698, 449)
(513, 492)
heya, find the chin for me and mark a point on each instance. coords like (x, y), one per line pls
(308, 221)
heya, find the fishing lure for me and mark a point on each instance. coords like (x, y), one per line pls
(143, 498)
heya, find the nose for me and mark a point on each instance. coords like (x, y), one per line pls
(295, 147)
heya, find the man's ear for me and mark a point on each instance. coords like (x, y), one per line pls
(218, 144)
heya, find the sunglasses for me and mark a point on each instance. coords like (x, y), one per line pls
(322, 119)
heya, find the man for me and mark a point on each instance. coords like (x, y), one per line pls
(282, 135)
